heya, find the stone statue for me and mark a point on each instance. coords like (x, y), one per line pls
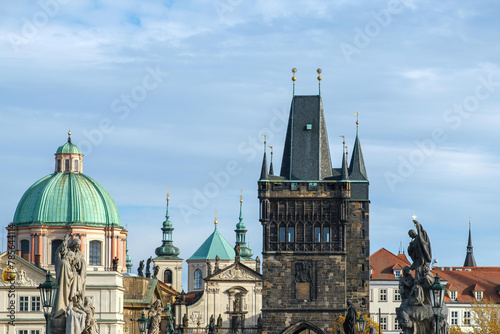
(185, 320)
(209, 268)
(156, 269)
(257, 264)
(372, 330)
(140, 269)
(75, 318)
(259, 324)
(415, 315)
(237, 250)
(303, 271)
(148, 265)
(217, 259)
(236, 304)
(115, 264)
(90, 322)
(420, 251)
(211, 326)
(350, 319)
(71, 273)
(154, 317)
(219, 321)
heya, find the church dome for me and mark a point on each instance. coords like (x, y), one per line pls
(67, 198)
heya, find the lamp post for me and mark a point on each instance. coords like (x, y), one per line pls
(437, 291)
(48, 291)
(361, 323)
(143, 321)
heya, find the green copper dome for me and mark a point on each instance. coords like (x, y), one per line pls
(68, 147)
(67, 198)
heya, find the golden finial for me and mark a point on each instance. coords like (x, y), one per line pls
(241, 195)
(357, 119)
(265, 142)
(215, 220)
(69, 131)
(271, 149)
(168, 195)
(294, 70)
(319, 75)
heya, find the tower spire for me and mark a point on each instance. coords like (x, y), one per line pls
(357, 169)
(263, 172)
(345, 173)
(469, 258)
(167, 249)
(294, 70)
(271, 170)
(319, 80)
(241, 231)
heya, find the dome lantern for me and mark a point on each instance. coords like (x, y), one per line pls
(68, 158)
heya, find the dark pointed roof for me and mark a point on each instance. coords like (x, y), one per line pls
(263, 172)
(469, 258)
(307, 154)
(345, 175)
(357, 170)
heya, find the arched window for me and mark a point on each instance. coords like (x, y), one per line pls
(25, 247)
(66, 165)
(198, 280)
(291, 233)
(282, 232)
(95, 253)
(75, 165)
(326, 233)
(58, 165)
(167, 276)
(55, 245)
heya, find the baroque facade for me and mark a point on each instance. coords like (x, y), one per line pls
(315, 222)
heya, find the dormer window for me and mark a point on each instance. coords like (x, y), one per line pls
(478, 294)
(397, 273)
(453, 295)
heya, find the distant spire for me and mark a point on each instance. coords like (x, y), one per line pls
(319, 80)
(263, 173)
(241, 231)
(345, 173)
(357, 170)
(469, 258)
(128, 258)
(271, 170)
(167, 249)
(69, 134)
(294, 70)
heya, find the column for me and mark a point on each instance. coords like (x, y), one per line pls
(32, 252)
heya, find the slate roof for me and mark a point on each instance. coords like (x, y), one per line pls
(215, 245)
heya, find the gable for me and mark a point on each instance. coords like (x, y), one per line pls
(27, 274)
(236, 272)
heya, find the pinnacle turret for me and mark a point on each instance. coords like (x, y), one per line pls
(167, 249)
(469, 258)
(357, 170)
(245, 252)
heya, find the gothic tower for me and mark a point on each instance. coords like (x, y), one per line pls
(315, 228)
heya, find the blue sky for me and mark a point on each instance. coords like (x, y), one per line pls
(178, 94)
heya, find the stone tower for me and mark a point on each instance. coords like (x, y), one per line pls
(315, 228)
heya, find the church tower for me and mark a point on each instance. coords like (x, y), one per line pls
(315, 228)
(469, 258)
(170, 265)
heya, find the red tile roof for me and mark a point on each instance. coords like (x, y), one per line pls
(382, 263)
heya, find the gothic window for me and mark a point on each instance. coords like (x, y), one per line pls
(317, 234)
(25, 247)
(95, 253)
(55, 244)
(167, 276)
(66, 165)
(282, 233)
(58, 165)
(75, 164)
(309, 232)
(300, 232)
(326, 234)
(291, 234)
(198, 280)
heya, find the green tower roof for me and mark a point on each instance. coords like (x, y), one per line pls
(215, 245)
(67, 198)
(68, 147)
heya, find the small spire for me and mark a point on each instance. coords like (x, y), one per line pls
(345, 173)
(271, 170)
(319, 80)
(294, 70)
(241, 205)
(469, 258)
(357, 169)
(69, 134)
(215, 219)
(168, 199)
(263, 172)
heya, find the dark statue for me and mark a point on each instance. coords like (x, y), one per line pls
(219, 321)
(115, 264)
(303, 271)
(415, 315)
(257, 264)
(350, 319)
(140, 272)
(217, 259)
(185, 320)
(156, 269)
(209, 268)
(237, 250)
(211, 325)
(148, 265)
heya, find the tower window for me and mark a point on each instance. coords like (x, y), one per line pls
(95, 253)
(58, 165)
(66, 165)
(167, 276)
(291, 234)
(75, 164)
(317, 234)
(282, 234)
(25, 247)
(326, 234)
(55, 245)
(198, 281)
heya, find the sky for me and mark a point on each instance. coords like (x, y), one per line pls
(179, 93)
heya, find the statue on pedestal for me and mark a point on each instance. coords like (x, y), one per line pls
(154, 317)
(156, 269)
(350, 319)
(115, 264)
(148, 265)
(140, 271)
(415, 315)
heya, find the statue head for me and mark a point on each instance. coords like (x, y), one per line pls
(412, 233)
(349, 303)
(75, 244)
(406, 270)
